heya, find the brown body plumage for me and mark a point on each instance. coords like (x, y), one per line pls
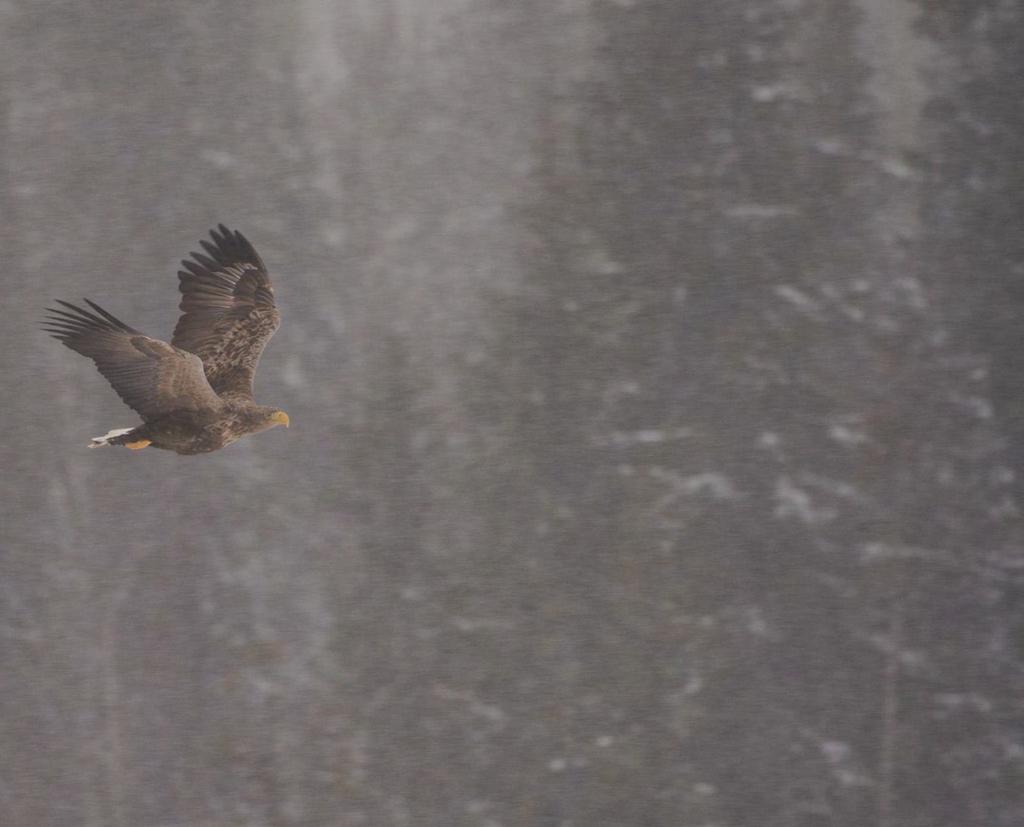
(195, 394)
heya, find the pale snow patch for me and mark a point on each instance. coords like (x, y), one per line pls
(599, 261)
(292, 373)
(881, 552)
(914, 291)
(334, 235)
(761, 211)
(480, 624)
(837, 296)
(909, 658)
(845, 435)
(955, 701)
(797, 298)
(791, 501)
(850, 778)
(1003, 475)
(716, 485)
(621, 388)
(771, 92)
(831, 146)
(1004, 509)
(976, 406)
(649, 436)
(838, 754)
(643, 436)
(218, 158)
(835, 751)
(756, 623)
(896, 167)
(853, 313)
(838, 488)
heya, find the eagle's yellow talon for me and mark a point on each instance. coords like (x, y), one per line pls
(137, 446)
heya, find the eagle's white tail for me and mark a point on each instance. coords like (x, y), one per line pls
(97, 441)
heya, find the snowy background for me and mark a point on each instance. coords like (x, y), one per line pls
(656, 379)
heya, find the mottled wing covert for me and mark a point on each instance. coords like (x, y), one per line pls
(228, 311)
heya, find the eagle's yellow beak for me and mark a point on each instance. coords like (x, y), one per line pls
(280, 417)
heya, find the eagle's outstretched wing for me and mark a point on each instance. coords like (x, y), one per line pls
(228, 311)
(151, 376)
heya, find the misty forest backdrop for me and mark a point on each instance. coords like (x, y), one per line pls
(655, 377)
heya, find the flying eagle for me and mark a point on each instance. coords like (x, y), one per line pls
(195, 394)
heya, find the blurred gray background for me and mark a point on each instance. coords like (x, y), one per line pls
(655, 374)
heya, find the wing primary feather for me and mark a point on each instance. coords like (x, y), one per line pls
(64, 316)
(73, 307)
(213, 251)
(110, 318)
(208, 263)
(84, 320)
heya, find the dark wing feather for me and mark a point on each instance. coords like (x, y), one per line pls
(228, 311)
(151, 376)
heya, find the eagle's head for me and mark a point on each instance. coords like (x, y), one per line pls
(264, 417)
(278, 417)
